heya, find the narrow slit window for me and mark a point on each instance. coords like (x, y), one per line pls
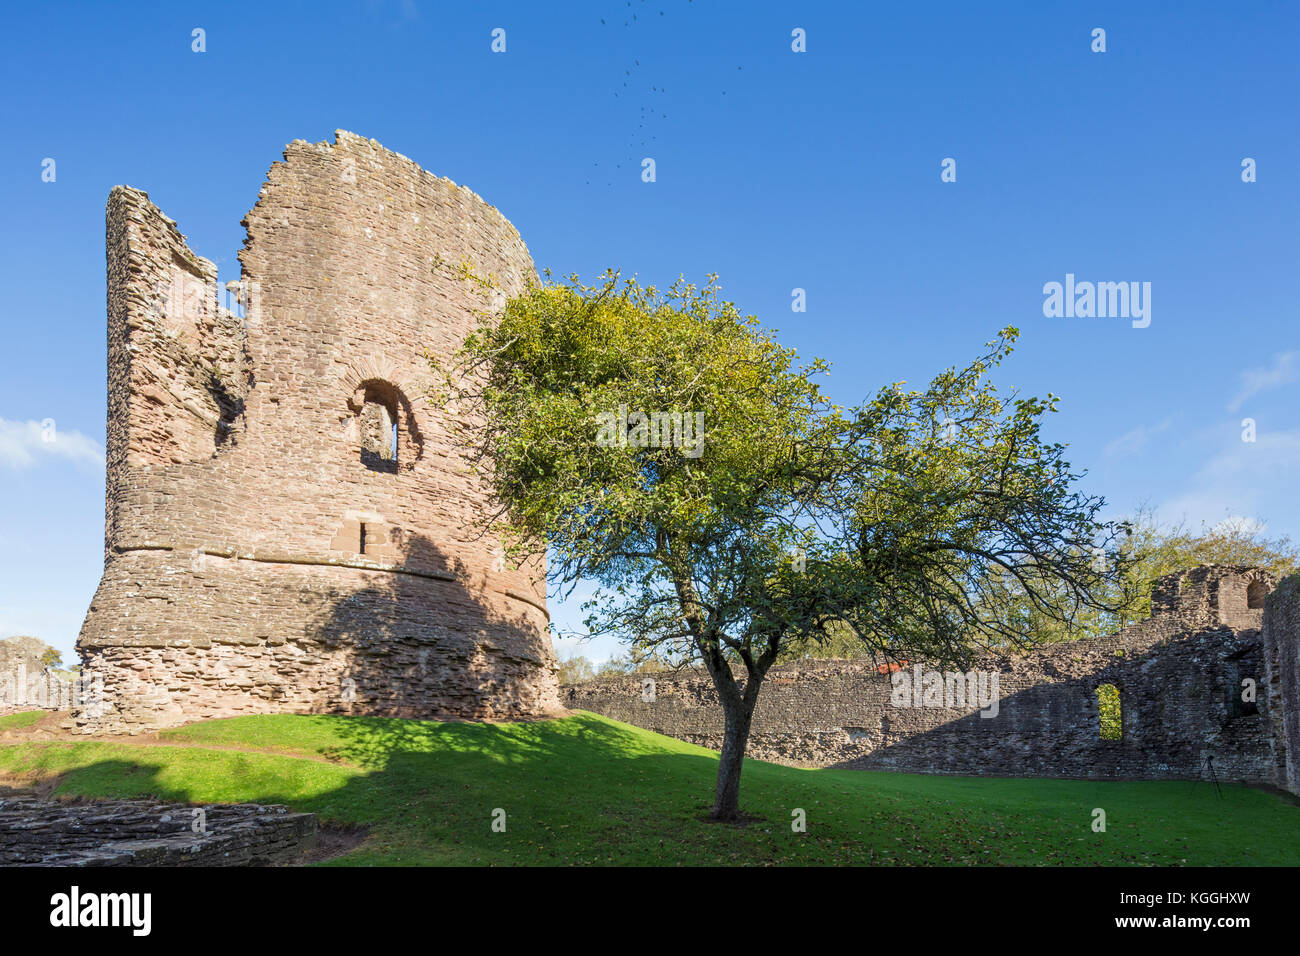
(361, 544)
(1242, 690)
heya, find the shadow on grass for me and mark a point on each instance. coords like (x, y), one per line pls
(374, 742)
(566, 790)
(586, 791)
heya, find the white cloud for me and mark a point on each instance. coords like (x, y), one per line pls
(1284, 370)
(56, 627)
(22, 444)
(1242, 479)
(1133, 440)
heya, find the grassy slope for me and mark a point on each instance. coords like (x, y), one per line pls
(23, 718)
(591, 790)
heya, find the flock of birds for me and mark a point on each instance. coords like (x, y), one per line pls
(647, 111)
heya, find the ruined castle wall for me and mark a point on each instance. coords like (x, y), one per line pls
(144, 833)
(262, 553)
(1214, 594)
(29, 686)
(1178, 676)
(1282, 662)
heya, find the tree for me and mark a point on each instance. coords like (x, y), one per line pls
(52, 658)
(23, 647)
(665, 446)
(636, 661)
(1151, 550)
(617, 664)
(575, 670)
(837, 642)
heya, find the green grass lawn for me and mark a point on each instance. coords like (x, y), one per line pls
(587, 790)
(22, 719)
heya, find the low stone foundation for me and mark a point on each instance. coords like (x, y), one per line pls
(37, 832)
(28, 687)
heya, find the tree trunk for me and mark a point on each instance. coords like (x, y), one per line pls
(735, 739)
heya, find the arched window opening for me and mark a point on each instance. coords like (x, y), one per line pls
(1256, 591)
(379, 432)
(1108, 708)
(385, 426)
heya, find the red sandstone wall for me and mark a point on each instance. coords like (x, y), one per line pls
(235, 580)
(1282, 660)
(1177, 673)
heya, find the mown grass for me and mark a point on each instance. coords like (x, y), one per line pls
(22, 719)
(587, 790)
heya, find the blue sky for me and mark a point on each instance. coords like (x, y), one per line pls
(777, 170)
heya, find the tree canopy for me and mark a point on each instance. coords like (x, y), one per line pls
(664, 445)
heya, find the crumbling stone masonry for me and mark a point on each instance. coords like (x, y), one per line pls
(1179, 675)
(147, 833)
(289, 527)
(26, 683)
(27, 687)
(1282, 669)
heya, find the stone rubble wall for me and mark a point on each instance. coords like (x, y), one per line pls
(1282, 663)
(37, 832)
(29, 686)
(281, 637)
(256, 560)
(1177, 673)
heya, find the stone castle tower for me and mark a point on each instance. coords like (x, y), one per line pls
(289, 526)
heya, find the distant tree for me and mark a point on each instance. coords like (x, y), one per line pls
(25, 647)
(52, 658)
(787, 516)
(1109, 716)
(575, 670)
(614, 665)
(1149, 551)
(637, 661)
(836, 641)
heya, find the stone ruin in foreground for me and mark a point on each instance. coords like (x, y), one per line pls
(1180, 677)
(36, 832)
(289, 527)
